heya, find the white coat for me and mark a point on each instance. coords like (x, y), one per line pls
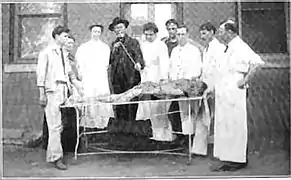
(186, 64)
(230, 127)
(156, 59)
(93, 58)
(211, 54)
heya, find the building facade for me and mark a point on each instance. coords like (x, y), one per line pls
(26, 29)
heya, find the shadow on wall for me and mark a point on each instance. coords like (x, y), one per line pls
(269, 109)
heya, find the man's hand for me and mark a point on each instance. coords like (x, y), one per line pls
(42, 100)
(137, 66)
(242, 84)
(80, 90)
(117, 44)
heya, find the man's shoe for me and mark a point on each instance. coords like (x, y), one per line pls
(60, 165)
(228, 166)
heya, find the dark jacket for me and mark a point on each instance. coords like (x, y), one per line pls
(123, 75)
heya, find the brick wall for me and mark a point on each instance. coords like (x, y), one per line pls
(197, 13)
(81, 16)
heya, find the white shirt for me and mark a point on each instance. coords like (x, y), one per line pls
(156, 59)
(185, 62)
(93, 58)
(211, 55)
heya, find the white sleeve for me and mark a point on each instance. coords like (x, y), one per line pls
(195, 64)
(164, 60)
(79, 59)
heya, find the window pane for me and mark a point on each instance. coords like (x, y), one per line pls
(36, 34)
(265, 30)
(262, 5)
(38, 8)
(139, 12)
(161, 18)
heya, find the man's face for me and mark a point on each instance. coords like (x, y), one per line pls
(96, 32)
(182, 36)
(62, 38)
(172, 30)
(69, 45)
(119, 29)
(150, 36)
(206, 35)
(222, 34)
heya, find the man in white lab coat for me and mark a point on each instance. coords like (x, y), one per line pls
(92, 58)
(213, 51)
(185, 63)
(155, 54)
(234, 73)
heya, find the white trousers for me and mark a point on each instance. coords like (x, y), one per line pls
(54, 122)
(200, 140)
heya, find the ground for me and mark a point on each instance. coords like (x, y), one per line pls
(269, 108)
(29, 162)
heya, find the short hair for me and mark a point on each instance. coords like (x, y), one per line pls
(183, 26)
(208, 26)
(150, 26)
(172, 21)
(230, 24)
(59, 30)
(96, 25)
(71, 37)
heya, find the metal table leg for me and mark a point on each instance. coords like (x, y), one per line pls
(78, 132)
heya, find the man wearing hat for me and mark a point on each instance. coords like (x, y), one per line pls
(126, 61)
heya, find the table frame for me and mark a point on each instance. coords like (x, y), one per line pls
(78, 106)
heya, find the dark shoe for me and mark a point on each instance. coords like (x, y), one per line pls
(217, 167)
(228, 166)
(60, 165)
(235, 166)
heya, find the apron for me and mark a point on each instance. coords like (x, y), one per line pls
(230, 127)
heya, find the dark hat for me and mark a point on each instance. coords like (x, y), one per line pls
(116, 21)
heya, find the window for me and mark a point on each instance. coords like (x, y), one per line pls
(263, 26)
(32, 24)
(141, 13)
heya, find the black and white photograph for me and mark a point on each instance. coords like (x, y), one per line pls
(145, 89)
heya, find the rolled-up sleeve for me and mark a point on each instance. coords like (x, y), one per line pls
(41, 70)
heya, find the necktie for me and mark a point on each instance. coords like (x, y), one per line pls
(63, 60)
(226, 49)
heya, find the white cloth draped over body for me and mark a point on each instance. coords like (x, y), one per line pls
(93, 59)
(156, 59)
(230, 127)
(211, 54)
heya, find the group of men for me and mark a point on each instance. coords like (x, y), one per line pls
(226, 65)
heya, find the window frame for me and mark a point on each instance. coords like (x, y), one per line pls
(15, 28)
(269, 56)
(179, 8)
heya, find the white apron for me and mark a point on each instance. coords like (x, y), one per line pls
(211, 54)
(156, 59)
(93, 59)
(230, 130)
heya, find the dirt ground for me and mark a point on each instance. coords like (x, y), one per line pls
(29, 162)
(269, 108)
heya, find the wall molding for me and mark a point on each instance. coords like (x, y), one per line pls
(19, 68)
